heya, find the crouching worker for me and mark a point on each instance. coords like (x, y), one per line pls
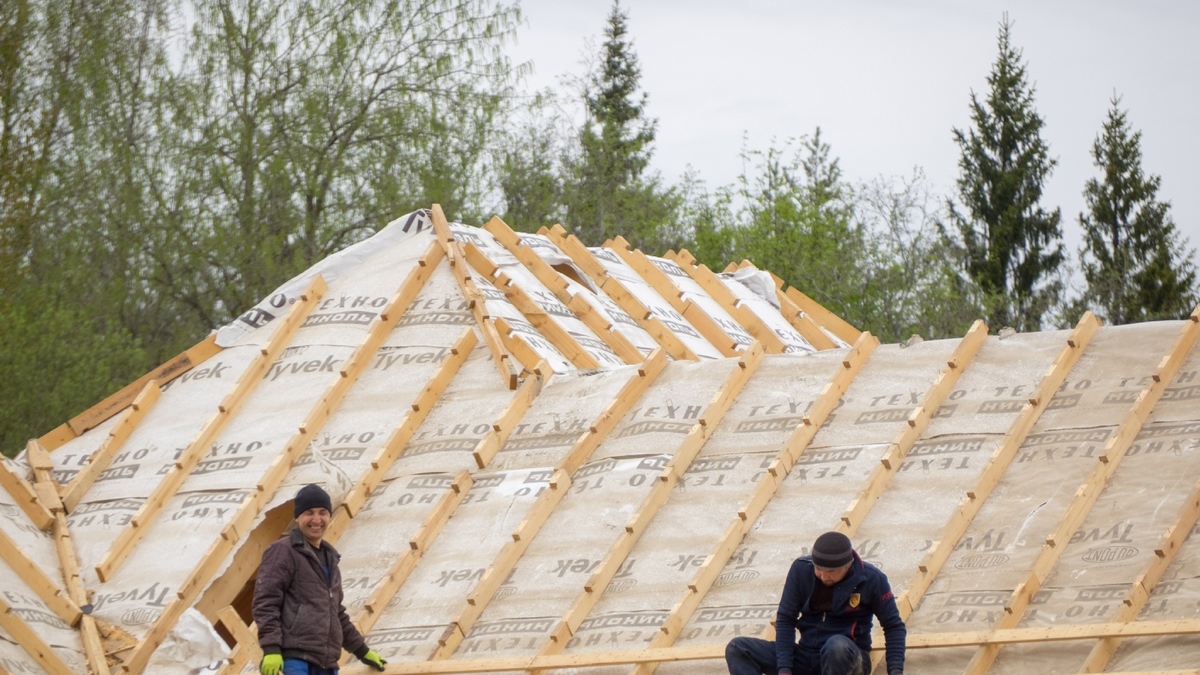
(302, 626)
(829, 597)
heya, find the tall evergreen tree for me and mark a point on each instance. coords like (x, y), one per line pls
(1135, 267)
(1013, 244)
(609, 191)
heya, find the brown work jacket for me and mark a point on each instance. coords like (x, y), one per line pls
(299, 612)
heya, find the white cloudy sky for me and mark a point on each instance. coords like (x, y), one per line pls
(887, 81)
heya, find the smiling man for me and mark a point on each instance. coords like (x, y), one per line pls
(830, 597)
(302, 625)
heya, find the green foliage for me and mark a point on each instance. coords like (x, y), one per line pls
(1136, 267)
(606, 189)
(1013, 245)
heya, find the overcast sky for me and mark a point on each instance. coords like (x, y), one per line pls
(887, 81)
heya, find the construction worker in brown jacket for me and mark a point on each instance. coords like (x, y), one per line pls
(302, 625)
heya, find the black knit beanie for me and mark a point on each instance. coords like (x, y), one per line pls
(311, 496)
(831, 550)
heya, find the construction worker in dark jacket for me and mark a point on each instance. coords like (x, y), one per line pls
(302, 625)
(829, 597)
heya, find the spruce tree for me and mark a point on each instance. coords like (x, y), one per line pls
(608, 190)
(1136, 270)
(1013, 244)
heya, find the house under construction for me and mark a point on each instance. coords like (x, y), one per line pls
(545, 456)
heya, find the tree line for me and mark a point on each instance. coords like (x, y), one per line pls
(162, 168)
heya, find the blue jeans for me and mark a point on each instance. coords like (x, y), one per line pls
(838, 656)
(302, 667)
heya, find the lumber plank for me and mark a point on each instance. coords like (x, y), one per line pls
(485, 589)
(246, 639)
(697, 436)
(719, 292)
(615, 290)
(849, 367)
(495, 438)
(202, 444)
(120, 400)
(472, 295)
(350, 371)
(516, 345)
(30, 641)
(558, 336)
(802, 323)
(821, 316)
(24, 495)
(917, 422)
(100, 459)
(555, 283)
(1089, 492)
(662, 284)
(1143, 585)
(717, 651)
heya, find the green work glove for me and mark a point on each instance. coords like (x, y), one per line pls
(271, 664)
(372, 659)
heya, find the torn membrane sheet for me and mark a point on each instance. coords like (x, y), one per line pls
(604, 496)
(1000, 547)
(498, 501)
(769, 314)
(690, 289)
(524, 279)
(39, 546)
(687, 528)
(659, 308)
(611, 311)
(1118, 538)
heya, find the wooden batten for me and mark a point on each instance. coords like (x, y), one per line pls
(1005, 452)
(502, 428)
(662, 284)
(474, 298)
(100, 459)
(821, 316)
(245, 638)
(750, 321)
(558, 336)
(1087, 494)
(485, 589)
(916, 424)
(554, 282)
(1139, 592)
(31, 642)
(24, 494)
(516, 345)
(615, 290)
(202, 444)
(117, 402)
(699, 434)
(748, 513)
(804, 325)
(246, 514)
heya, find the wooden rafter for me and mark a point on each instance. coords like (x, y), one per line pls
(495, 438)
(1139, 592)
(100, 459)
(821, 316)
(380, 465)
(24, 495)
(531, 309)
(554, 282)
(615, 290)
(849, 367)
(474, 298)
(93, 645)
(58, 598)
(1087, 494)
(30, 641)
(1001, 458)
(202, 444)
(662, 284)
(915, 425)
(485, 589)
(753, 324)
(117, 402)
(697, 436)
(243, 519)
